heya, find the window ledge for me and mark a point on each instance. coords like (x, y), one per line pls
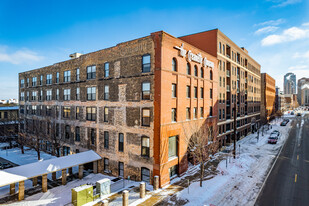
(172, 158)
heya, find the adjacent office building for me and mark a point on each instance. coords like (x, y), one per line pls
(130, 102)
(268, 97)
(289, 83)
(304, 95)
(300, 83)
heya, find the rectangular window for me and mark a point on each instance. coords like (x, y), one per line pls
(195, 92)
(202, 112)
(77, 74)
(202, 92)
(77, 93)
(146, 90)
(145, 174)
(77, 134)
(172, 147)
(210, 93)
(67, 132)
(174, 118)
(145, 117)
(120, 142)
(33, 111)
(66, 112)
(146, 63)
(22, 83)
(145, 146)
(106, 140)
(91, 72)
(92, 136)
(34, 80)
(28, 82)
(106, 165)
(105, 114)
(66, 76)
(106, 92)
(48, 111)
(195, 112)
(210, 111)
(22, 96)
(34, 95)
(91, 113)
(120, 169)
(77, 113)
(49, 95)
(57, 94)
(174, 90)
(67, 94)
(106, 69)
(49, 79)
(57, 77)
(202, 73)
(91, 93)
(173, 171)
(188, 91)
(188, 113)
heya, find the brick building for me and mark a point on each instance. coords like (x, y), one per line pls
(238, 78)
(9, 121)
(129, 103)
(268, 97)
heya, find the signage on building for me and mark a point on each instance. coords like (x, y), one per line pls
(194, 57)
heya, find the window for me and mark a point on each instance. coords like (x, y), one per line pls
(210, 93)
(174, 65)
(106, 92)
(33, 111)
(105, 114)
(91, 72)
(145, 174)
(223, 113)
(27, 97)
(188, 113)
(22, 83)
(48, 111)
(91, 113)
(188, 91)
(66, 94)
(219, 113)
(188, 69)
(28, 82)
(22, 96)
(202, 72)
(145, 146)
(77, 113)
(174, 90)
(120, 169)
(210, 75)
(77, 134)
(146, 90)
(67, 131)
(202, 92)
(195, 70)
(66, 76)
(202, 112)
(210, 111)
(120, 142)
(174, 115)
(145, 117)
(106, 140)
(57, 94)
(220, 81)
(34, 95)
(77, 74)
(195, 92)
(5, 115)
(92, 136)
(173, 171)
(195, 112)
(66, 112)
(106, 69)
(106, 165)
(49, 78)
(146, 63)
(91, 93)
(77, 93)
(172, 147)
(57, 77)
(49, 95)
(220, 50)
(34, 80)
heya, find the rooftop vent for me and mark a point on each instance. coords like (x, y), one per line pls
(75, 55)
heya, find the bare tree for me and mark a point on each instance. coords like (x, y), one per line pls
(200, 138)
(9, 127)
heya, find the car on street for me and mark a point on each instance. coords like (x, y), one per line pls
(284, 123)
(272, 140)
(5, 165)
(298, 114)
(275, 132)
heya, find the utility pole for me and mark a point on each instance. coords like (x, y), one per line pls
(235, 126)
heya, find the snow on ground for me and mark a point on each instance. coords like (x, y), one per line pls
(239, 180)
(60, 195)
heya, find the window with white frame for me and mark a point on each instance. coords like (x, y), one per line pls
(66, 94)
(67, 76)
(91, 93)
(91, 72)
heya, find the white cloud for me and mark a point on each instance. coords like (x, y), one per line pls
(305, 24)
(271, 22)
(265, 30)
(286, 3)
(298, 67)
(304, 55)
(19, 56)
(288, 35)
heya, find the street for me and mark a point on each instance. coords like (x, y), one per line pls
(288, 182)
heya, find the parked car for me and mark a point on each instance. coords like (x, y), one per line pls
(273, 138)
(5, 165)
(275, 132)
(292, 113)
(284, 123)
(298, 114)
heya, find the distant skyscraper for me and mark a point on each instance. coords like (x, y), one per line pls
(289, 83)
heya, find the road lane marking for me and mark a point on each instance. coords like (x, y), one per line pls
(297, 157)
(295, 177)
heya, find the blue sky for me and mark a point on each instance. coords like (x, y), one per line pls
(38, 33)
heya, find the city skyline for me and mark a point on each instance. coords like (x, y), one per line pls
(41, 38)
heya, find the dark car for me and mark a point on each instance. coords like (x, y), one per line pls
(5, 165)
(284, 123)
(298, 114)
(273, 138)
(275, 132)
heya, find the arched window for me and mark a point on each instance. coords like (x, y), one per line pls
(210, 75)
(174, 65)
(220, 50)
(202, 72)
(195, 70)
(188, 69)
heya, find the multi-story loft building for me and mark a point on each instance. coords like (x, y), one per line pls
(239, 83)
(9, 121)
(129, 103)
(289, 83)
(300, 83)
(268, 97)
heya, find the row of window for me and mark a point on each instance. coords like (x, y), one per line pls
(188, 113)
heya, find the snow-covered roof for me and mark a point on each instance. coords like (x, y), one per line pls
(24, 172)
(9, 108)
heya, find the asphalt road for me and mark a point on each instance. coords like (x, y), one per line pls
(288, 182)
